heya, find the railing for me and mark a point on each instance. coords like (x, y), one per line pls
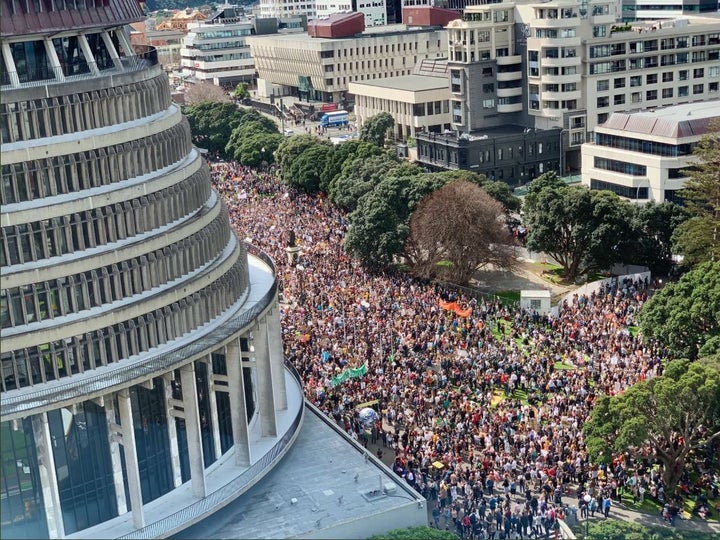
(233, 488)
(144, 58)
(115, 375)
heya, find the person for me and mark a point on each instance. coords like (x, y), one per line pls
(607, 503)
(436, 516)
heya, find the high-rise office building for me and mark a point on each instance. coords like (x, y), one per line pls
(143, 382)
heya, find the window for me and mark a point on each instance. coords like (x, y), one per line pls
(713, 88)
(488, 103)
(667, 76)
(619, 83)
(636, 97)
(636, 80)
(651, 78)
(599, 31)
(623, 167)
(698, 89)
(683, 75)
(603, 101)
(603, 84)
(628, 192)
(667, 93)
(683, 91)
(698, 73)
(602, 117)
(650, 95)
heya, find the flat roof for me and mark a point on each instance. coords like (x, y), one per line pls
(319, 473)
(412, 83)
(675, 121)
(370, 32)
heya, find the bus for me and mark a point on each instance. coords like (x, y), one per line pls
(334, 118)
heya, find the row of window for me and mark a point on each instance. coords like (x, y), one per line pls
(66, 295)
(51, 116)
(644, 146)
(63, 358)
(623, 167)
(629, 192)
(652, 62)
(70, 173)
(39, 240)
(651, 95)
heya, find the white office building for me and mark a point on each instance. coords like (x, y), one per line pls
(642, 156)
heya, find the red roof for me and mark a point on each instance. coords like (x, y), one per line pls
(337, 25)
(26, 17)
(428, 16)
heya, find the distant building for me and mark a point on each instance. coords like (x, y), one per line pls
(642, 156)
(321, 68)
(181, 19)
(652, 10)
(216, 50)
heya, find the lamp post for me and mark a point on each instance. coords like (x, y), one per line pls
(562, 151)
(587, 498)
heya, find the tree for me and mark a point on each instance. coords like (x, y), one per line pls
(375, 128)
(342, 154)
(652, 229)
(241, 91)
(212, 123)
(684, 317)
(304, 171)
(201, 92)
(253, 133)
(581, 229)
(698, 238)
(379, 223)
(462, 224)
(548, 180)
(502, 193)
(673, 415)
(293, 147)
(415, 533)
(358, 178)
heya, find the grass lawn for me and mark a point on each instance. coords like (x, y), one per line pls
(509, 297)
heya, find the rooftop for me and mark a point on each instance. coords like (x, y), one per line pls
(411, 83)
(676, 121)
(301, 39)
(319, 472)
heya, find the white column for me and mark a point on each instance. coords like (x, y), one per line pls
(266, 399)
(238, 408)
(48, 477)
(87, 53)
(172, 431)
(276, 357)
(54, 60)
(111, 49)
(10, 64)
(214, 422)
(192, 424)
(124, 43)
(113, 430)
(131, 461)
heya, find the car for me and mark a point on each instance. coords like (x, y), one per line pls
(288, 132)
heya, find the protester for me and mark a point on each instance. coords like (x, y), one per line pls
(483, 405)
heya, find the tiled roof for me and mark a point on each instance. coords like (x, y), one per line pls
(27, 17)
(676, 122)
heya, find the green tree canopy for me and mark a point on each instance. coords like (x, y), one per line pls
(673, 414)
(358, 177)
(459, 223)
(545, 181)
(291, 150)
(698, 238)
(416, 533)
(684, 316)
(212, 123)
(581, 229)
(342, 154)
(375, 128)
(304, 172)
(502, 193)
(652, 229)
(379, 223)
(253, 133)
(241, 91)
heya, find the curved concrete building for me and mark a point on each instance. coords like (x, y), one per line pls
(143, 380)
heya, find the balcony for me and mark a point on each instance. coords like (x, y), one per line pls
(508, 60)
(509, 76)
(559, 95)
(145, 57)
(509, 92)
(560, 62)
(510, 108)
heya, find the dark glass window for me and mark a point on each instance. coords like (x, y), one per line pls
(624, 191)
(181, 429)
(222, 399)
(82, 464)
(22, 511)
(31, 61)
(151, 440)
(206, 426)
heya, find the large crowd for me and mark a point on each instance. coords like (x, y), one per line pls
(483, 413)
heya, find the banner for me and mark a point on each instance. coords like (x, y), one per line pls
(349, 373)
(453, 306)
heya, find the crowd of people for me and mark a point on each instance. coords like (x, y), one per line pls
(483, 413)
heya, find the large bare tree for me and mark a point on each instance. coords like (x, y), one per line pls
(459, 224)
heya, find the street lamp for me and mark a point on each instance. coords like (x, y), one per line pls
(587, 498)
